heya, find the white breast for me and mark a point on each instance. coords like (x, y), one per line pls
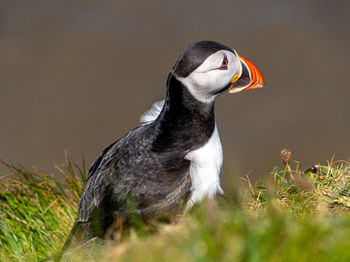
(206, 163)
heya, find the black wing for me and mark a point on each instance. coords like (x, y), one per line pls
(98, 160)
(131, 169)
(103, 180)
(97, 184)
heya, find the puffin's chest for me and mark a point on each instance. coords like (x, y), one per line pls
(205, 167)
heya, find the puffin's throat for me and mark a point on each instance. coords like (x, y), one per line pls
(184, 123)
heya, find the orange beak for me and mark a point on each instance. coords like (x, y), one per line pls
(249, 77)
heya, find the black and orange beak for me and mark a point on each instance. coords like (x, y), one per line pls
(249, 77)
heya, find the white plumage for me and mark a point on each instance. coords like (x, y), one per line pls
(152, 113)
(206, 163)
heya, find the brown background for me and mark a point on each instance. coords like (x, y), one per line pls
(77, 75)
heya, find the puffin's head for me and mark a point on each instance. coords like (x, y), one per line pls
(209, 68)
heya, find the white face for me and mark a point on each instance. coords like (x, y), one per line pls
(212, 76)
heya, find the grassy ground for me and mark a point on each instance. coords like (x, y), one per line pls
(293, 215)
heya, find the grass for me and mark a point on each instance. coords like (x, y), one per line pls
(37, 210)
(293, 215)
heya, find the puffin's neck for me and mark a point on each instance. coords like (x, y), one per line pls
(184, 123)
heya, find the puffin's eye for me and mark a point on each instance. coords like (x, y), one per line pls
(224, 63)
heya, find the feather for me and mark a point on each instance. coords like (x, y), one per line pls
(151, 114)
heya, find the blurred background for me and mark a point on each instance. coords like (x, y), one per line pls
(77, 75)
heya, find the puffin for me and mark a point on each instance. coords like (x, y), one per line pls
(173, 158)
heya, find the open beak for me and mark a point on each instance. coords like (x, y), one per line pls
(249, 77)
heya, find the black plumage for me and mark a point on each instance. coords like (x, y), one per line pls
(148, 164)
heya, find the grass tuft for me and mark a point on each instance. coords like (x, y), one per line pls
(37, 210)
